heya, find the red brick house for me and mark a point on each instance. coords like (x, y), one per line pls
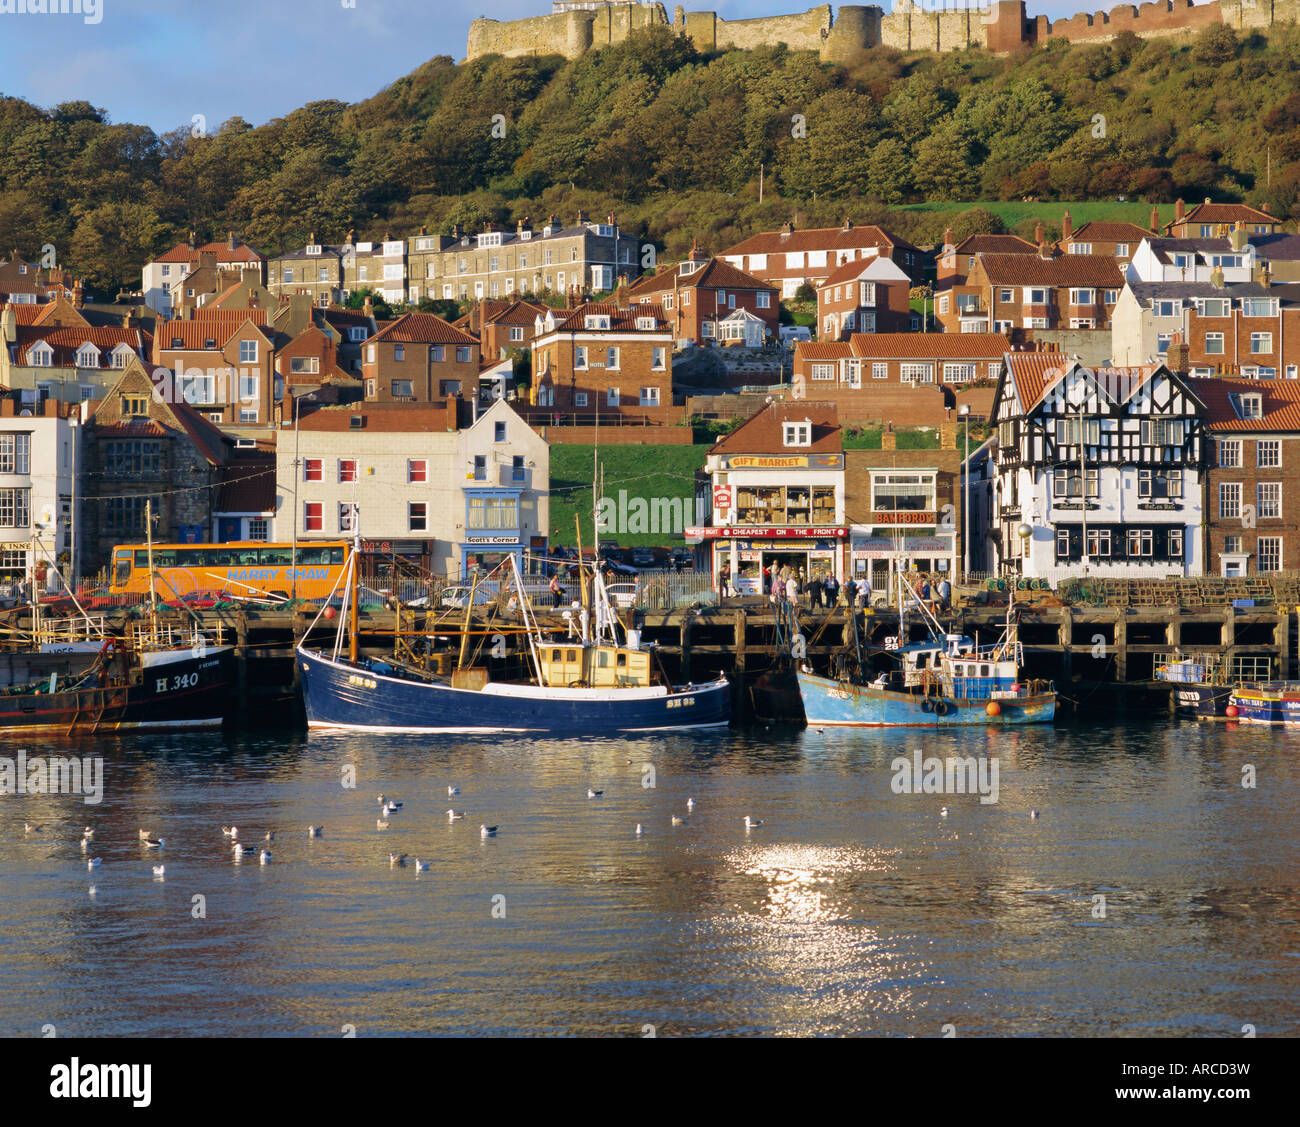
(501, 326)
(956, 261)
(419, 358)
(1102, 237)
(1033, 291)
(864, 296)
(788, 258)
(1212, 220)
(1253, 491)
(700, 293)
(222, 365)
(1251, 329)
(604, 360)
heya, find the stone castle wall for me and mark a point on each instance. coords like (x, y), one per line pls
(998, 25)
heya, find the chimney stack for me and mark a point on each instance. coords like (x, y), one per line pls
(947, 237)
(848, 224)
(1265, 209)
(1216, 277)
(787, 228)
(193, 241)
(230, 240)
(1067, 227)
(1178, 357)
(1155, 219)
(1179, 211)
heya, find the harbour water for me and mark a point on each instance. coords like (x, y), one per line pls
(851, 910)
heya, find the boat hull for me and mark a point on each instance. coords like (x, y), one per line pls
(1204, 701)
(830, 703)
(178, 690)
(340, 695)
(1263, 705)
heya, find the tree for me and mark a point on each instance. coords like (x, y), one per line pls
(1214, 45)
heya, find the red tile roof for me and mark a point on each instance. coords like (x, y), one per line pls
(183, 252)
(132, 428)
(389, 418)
(215, 315)
(1034, 372)
(763, 433)
(622, 319)
(995, 244)
(422, 328)
(1227, 213)
(818, 238)
(1105, 231)
(822, 350)
(193, 335)
(25, 313)
(907, 346)
(67, 341)
(1281, 401)
(1098, 270)
(715, 274)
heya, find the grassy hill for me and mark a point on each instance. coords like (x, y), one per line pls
(642, 482)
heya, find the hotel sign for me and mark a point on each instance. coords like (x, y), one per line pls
(782, 462)
(887, 517)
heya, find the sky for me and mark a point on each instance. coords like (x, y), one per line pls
(161, 62)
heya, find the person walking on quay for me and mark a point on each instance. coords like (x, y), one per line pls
(925, 594)
(557, 591)
(815, 591)
(792, 590)
(724, 581)
(850, 594)
(831, 590)
(945, 594)
(778, 587)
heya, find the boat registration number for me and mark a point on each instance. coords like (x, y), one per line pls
(179, 681)
(837, 694)
(361, 682)
(684, 702)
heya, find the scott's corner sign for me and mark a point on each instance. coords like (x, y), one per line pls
(782, 462)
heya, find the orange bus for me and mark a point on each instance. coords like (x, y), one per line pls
(250, 569)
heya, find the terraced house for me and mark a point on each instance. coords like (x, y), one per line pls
(62, 356)
(419, 358)
(702, 297)
(315, 269)
(222, 364)
(168, 271)
(603, 362)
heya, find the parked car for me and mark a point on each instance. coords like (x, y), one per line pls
(457, 598)
(622, 595)
(618, 567)
(643, 557)
(683, 559)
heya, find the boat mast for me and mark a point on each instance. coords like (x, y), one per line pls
(354, 586)
(582, 580)
(469, 612)
(153, 586)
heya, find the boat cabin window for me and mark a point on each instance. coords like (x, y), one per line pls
(571, 655)
(622, 659)
(984, 670)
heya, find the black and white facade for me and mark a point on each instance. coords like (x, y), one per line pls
(1104, 467)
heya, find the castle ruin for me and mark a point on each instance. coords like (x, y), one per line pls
(1001, 26)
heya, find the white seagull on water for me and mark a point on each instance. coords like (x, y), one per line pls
(154, 842)
(380, 824)
(690, 804)
(93, 863)
(750, 823)
(159, 870)
(396, 859)
(422, 866)
(639, 829)
(676, 820)
(487, 831)
(315, 831)
(28, 828)
(594, 793)
(264, 857)
(452, 791)
(229, 831)
(455, 815)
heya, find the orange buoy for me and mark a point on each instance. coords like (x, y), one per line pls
(330, 612)
(993, 708)
(1231, 711)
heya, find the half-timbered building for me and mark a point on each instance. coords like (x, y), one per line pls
(1103, 469)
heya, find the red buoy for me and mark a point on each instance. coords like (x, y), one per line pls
(330, 612)
(993, 708)
(1231, 711)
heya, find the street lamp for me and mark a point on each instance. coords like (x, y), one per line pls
(1025, 532)
(964, 412)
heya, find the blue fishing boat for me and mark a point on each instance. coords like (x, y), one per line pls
(1266, 702)
(1200, 685)
(591, 684)
(943, 680)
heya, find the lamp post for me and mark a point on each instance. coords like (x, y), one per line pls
(963, 412)
(1025, 532)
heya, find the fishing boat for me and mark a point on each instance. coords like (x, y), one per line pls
(944, 680)
(1201, 687)
(1266, 702)
(588, 683)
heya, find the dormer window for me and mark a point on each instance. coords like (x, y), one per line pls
(797, 434)
(645, 324)
(596, 322)
(313, 248)
(209, 342)
(394, 248)
(40, 355)
(1249, 406)
(88, 356)
(122, 356)
(490, 239)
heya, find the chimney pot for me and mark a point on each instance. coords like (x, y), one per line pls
(1179, 210)
(1067, 227)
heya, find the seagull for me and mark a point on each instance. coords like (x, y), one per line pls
(93, 863)
(396, 859)
(821, 731)
(422, 866)
(315, 831)
(228, 831)
(750, 823)
(676, 820)
(487, 831)
(388, 804)
(452, 790)
(154, 842)
(392, 808)
(594, 793)
(264, 857)
(159, 870)
(690, 804)
(270, 835)
(87, 832)
(28, 828)
(381, 824)
(244, 850)
(455, 815)
(1033, 813)
(639, 829)
(943, 811)
(91, 890)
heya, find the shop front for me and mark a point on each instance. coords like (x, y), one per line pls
(878, 553)
(751, 555)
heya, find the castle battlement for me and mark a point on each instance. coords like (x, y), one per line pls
(575, 27)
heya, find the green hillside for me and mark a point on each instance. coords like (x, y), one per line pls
(673, 142)
(644, 484)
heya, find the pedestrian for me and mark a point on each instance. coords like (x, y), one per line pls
(925, 592)
(850, 594)
(791, 590)
(784, 573)
(815, 591)
(831, 589)
(557, 592)
(724, 581)
(945, 594)
(864, 590)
